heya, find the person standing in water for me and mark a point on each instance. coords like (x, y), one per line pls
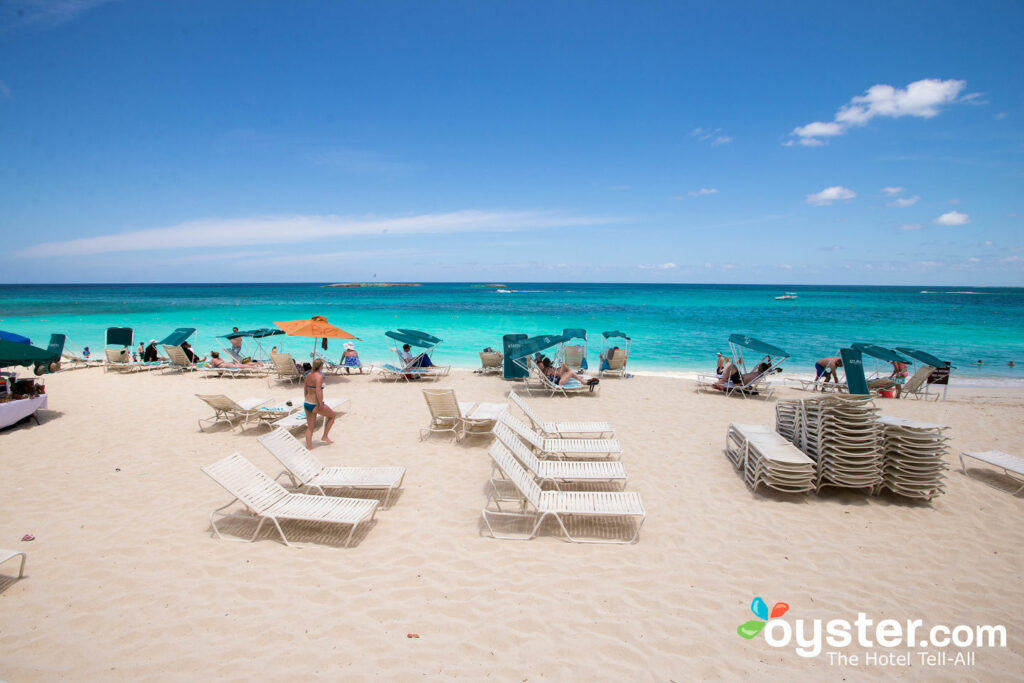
(314, 404)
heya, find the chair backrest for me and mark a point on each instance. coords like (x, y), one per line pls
(522, 430)
(514, 471)
(57, 343)
(285, 365)
(490, 359)
(221, 402)
(913, 385)
(518, 400)
(617, 361)
(518, 448)
(235, 354)
(114, 356)
(442, 403)
(246, 482)
(296, 458)
(574, 356)
(177, 356)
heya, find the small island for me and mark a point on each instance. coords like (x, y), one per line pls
(501, 286)
(375, 284)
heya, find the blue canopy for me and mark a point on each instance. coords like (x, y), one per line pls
(615, 333)
(756, 345)
(535, 344)
(575, 333)
(880, 352)
(256, 334)
(420, 335)
(921, 356)
(178, 336)
(119, 336)
(411, 340)
(16, 338)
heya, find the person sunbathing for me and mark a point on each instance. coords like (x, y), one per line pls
(217, 362)
(564, 376)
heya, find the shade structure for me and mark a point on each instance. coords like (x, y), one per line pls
(923, 357)
(119, 336)
(880, 352)
(411, 340)
(178, 336)
(614, 333)
(853, 365)
(255, 334)
(14, 353)
(316, 327)
(748, 342)
(57, 344)
(16, 338)
(535, 345)
(429, 338)
(914, 457)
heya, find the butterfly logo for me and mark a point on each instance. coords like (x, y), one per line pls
(751, 628)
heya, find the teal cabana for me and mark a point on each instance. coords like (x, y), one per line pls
(853, 364)
(943, 368)
(17, 353)
(519, 351)
(773, 355)
(252, 343)
(880, 353)
(610, 338)
(572, 352)
(180, 336)
(416, 339)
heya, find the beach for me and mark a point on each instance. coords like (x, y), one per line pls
(124, 580)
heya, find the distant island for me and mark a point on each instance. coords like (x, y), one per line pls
(375, 284)
(502, 286)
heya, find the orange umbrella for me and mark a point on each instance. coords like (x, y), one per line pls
(317, 327)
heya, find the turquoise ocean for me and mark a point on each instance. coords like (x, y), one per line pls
(673, 327)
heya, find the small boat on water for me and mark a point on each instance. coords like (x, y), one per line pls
(788, 296)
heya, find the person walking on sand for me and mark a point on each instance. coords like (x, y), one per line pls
(827, 367)
(314, 404)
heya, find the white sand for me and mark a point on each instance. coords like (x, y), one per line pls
(125, 582)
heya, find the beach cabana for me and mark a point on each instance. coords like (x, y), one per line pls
(417, 340)
(772, 354)
(519, 353)
(117, 336)
(252, 343)
(17, 353)
(316, 327)
(853, 364)
(574, 349)
(943, 369)
(880, 353)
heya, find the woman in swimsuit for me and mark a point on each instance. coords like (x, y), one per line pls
(314, 404)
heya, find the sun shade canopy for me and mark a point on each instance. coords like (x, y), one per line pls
(880, 352)
(420, 335)
(409, 339)
(756, 345)
(614, 333)
(317, 326)
(14, 353)
(16, 338)
(178, 336)
(575, 333)
(856, 383)
(120, 336)
(56, 344)
(921, 356)
(256, 334)
(535, 344)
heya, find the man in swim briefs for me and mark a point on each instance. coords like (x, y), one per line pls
(827, 367)
(314, 404)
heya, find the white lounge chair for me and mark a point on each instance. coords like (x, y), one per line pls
(574, 355)
(557, 504)
(917, 385)
(114, 363)
(546, 383)
(265, 499)
(247, 410)
(556, 448)
(562, 430)
(490, 361)
(298, 418)
(285, 367)
(447, 414)
(11, 554)
(303, 468)
(179, 361)
(393, 372)
(1008, 463)
(556, 471)
(616, 365)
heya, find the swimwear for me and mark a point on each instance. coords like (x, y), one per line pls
(820, 370)
(310, 407)
(351, 362)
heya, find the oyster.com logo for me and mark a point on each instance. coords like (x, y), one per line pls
(751, 628)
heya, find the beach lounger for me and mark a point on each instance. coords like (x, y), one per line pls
(1008, 463)
(284, 366)
(555, 471)
(561, 430)
(533, 503)
(556, 448)
(115, 364)
(393, 372)
(616, 365)
(545, 383)
(574, 356)
(766, 458)
(917, 385)
(265, 499)
(10, 555)
(447, 414)
(248, 410)
(303, 468)
(490, 361)
(179, 361)
(298, 418)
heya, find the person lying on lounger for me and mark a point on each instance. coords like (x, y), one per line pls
(420, 361)
(217, 362)
(564, 376)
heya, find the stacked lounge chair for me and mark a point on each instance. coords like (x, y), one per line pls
(562, 430)
(555, 471)
(914, 458)
(766, 458)
(559, 448)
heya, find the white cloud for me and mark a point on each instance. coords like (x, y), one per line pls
(829, 195)
(226, 232)
(922, 99)
(931, 264)
(786, 266)
(1002, 115)
(903, 202)
(722, 140)
(911, 226)
(974, 259)
(715, 136)
(1012, 259)
(953, 218)
(702, 191)
(892, 191)
(657, 266)
(988, 243)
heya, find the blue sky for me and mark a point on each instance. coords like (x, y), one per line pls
(875, 143)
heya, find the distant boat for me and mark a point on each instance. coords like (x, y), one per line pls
(503, 291)
(788, 296)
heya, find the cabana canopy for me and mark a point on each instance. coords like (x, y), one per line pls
(15, 353)
(921, 356)
(756, 345)
(255, 334)
(120, 336)
(57, 344)
(403, 337)
(178, 336)
(16, 338)
(422, 335)
(574, 333)
(535, 344)
(316, 327)
(881, 353)
(614, 333)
